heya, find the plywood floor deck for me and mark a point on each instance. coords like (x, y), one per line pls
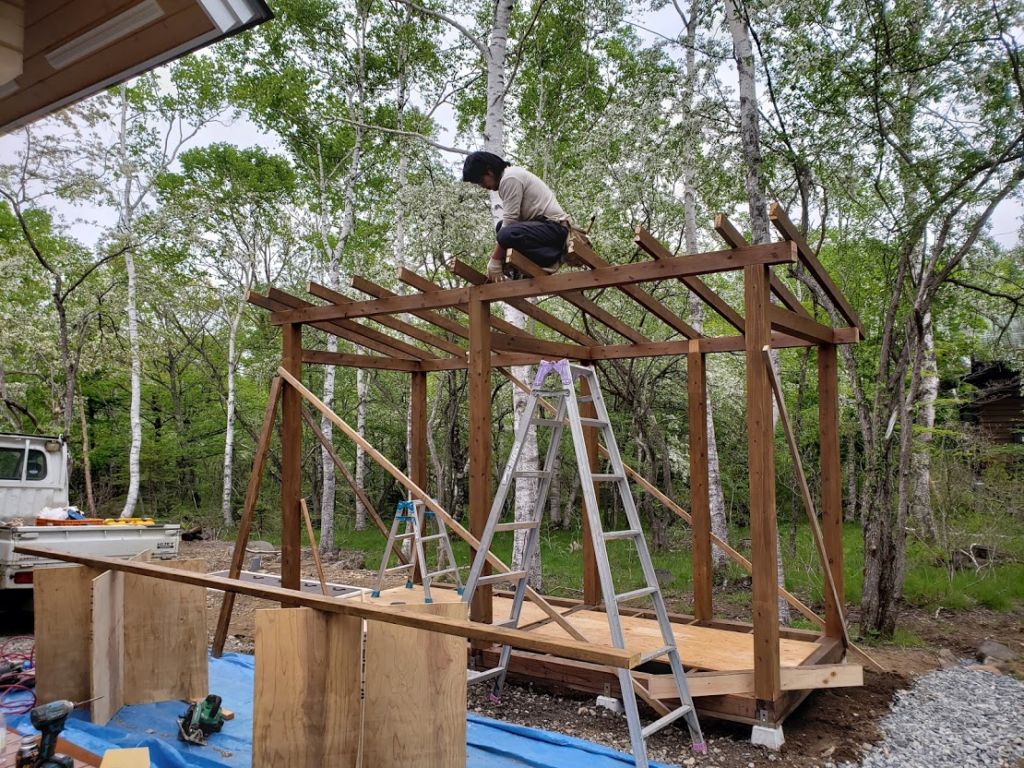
(702, 648)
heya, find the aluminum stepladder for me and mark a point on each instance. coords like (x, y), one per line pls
(414, 517)
(565, 400)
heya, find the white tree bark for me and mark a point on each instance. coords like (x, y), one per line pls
(134, 414)
(229, 427)
(921, 462)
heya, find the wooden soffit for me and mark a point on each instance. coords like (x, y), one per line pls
(56, 52)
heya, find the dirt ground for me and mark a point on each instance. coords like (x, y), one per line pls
(831, 726)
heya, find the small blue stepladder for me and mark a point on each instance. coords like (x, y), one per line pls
(413, 516)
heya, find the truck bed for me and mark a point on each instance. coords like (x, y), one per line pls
(123, 541)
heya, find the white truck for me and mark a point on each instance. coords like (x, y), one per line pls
(33, 477)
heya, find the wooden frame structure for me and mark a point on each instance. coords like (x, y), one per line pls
(772, 317)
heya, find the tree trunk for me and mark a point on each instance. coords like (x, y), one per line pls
(360, 523)
(229, 427)
(136, 389)
(90, 501)
(922, 493)
(328, 490)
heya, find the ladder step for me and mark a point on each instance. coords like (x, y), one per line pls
(433, 537)
(633, 595)
(607, 478)
(663, 651)
(549, 392)
(398, 568)
(668, 719)
(496, 577)
(545, 422)
(442, 572)
(501, 527)
(408, 535)
(532, 473)
(475, 676)
(594, 422)
(615, 535)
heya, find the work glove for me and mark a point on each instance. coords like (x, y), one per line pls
(495, 270)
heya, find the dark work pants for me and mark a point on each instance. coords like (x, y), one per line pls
(542, 242)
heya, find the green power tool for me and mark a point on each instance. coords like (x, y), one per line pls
(200, 720)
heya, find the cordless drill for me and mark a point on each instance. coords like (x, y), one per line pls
(49, 719)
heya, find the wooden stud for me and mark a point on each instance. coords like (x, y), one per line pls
(106, 674)
(760, 450)
(581, 650)
(435, 318)
(607, 277)
(831, 482)
(418, 427)
(700, 498)
(61, 599)
(479, 394)
(313, 547)
(591, 578)
(291, 460)
(252, 495)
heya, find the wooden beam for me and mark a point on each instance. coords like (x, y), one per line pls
(649, 243)
(578, 300)
(607, 277)
(779, 341)
(570, 649)
(732, 236)
(700, 496)
(323, 292)
(789, 231)
(761, 458)
(472, 276)
(831, 484)
(397, 345)
(417, 437)
(479, 394)
(643, 299)
(314, 549)
(359, 492)
(812, 676)
(445, 323)
(291, 459)
(252, 495)
(340, 330)
(322, 357)
(591, 577)
(799, 326)
(531, 344)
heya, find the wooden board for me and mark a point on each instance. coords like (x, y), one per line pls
(306, 710)
(106, 670)
(62, 617)
(165, 637)
(415, 701)
(810, 677)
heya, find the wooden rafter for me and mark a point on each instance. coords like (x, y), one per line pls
(370, 333)
(642, 298)
(339, 329)
(789, 231)
(376, 362)
(577, 299)
(323, 292)
(606, 277)
(728, 232)
(435, 318)
(474, 277)
(647, 242)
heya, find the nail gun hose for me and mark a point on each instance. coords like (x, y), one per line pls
(22, 682)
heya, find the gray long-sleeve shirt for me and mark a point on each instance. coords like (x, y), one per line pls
(525, 197)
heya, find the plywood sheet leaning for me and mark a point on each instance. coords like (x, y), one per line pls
(306, 709)
(165, 638)
(62, 608)
(415, 702)
(107, 663)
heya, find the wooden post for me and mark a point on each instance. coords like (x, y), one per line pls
(831, 482)
(291, 460)
(761, 458)
(700, 499)
(418, 441)
(480, 440)
(591, 580)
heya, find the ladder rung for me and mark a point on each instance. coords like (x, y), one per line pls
(615, 535)
(496, 577)
(663, 651)
(607, 478)
(404, 518)
(545, 422)
(433, 537)
(398, 568)
(549, 392)
(532, 473)
(594, 422)
(633, 595)
(668, 719)
(408, 535)
(442, 572)
(585, 399)
(501, 527)
(474, 676)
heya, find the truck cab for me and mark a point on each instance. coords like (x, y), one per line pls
(33, 479)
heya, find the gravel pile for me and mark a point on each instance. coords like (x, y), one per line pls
(953, 718)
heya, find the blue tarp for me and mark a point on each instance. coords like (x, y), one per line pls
(490, 743)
